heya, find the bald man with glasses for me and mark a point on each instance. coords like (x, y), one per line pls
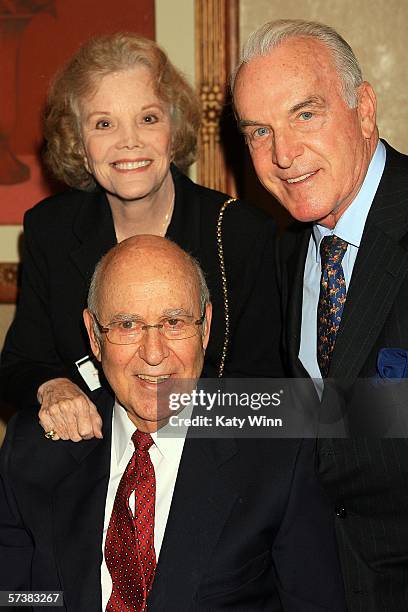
(138, 519)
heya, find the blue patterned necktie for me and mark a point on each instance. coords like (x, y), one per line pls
(331, 299)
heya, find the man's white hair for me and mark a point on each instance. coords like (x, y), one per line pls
(273, 33)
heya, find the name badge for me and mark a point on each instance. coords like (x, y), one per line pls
(89, 373)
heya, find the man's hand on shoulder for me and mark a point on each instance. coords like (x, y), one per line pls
(67, 411)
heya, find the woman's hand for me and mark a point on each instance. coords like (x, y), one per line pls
(67, 411)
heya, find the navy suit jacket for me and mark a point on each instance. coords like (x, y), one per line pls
(248, 528)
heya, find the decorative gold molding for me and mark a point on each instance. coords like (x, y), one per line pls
(216, 34)
(8, 282)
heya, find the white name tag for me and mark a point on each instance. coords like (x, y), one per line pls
(88, 372)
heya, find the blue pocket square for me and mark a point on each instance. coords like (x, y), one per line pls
(392, 363)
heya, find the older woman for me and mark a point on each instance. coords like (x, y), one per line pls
(121, 123)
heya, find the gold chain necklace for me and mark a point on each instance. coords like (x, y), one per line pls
(167, 219)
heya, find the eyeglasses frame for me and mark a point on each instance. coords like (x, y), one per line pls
(105, 329)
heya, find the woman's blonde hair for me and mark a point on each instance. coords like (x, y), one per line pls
(79, 78)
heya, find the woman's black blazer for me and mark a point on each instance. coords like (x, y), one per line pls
(65, 236)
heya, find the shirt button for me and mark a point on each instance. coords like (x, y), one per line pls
(340, 512)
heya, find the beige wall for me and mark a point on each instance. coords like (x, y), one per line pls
(376, 29)
(175, 33)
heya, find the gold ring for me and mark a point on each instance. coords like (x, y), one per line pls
(50, 434)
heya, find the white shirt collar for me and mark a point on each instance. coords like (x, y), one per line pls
(123, 429)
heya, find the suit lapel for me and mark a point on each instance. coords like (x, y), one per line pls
(184, 228)
(381, 266)
(206, 488)
(294, 300)
(95, 231)
(78, 512)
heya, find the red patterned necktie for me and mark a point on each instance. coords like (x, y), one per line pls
(331, 299)
(129, 545)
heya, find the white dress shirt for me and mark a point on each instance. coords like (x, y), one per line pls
(165, 454)
(350, 228)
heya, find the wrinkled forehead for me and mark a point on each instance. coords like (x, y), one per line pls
(294, 72)
(303, 57)
(149, 287)
(139, 75)
(97, 81)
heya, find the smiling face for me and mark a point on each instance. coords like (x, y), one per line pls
(126, 135)
(309, 148)
(151, 280)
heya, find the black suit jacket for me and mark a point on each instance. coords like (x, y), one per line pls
(247, 529)
(366, 477)
(67, 234)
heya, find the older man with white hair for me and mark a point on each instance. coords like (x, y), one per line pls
(309, 120)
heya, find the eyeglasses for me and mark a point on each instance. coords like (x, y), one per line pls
(130, 331)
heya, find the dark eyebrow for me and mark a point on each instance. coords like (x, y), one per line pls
(312, 101)
(243, 123)
(315, 101)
